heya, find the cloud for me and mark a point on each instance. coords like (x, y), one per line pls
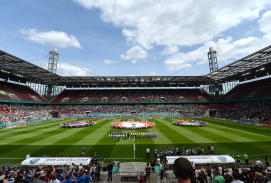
(170, 50)
(65, 69)
(224, 47)
(52, 38)
(152, 73)
(265, 22)
(134, 54)
(175, 23)
(110, 62)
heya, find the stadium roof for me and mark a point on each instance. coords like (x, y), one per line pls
(255, 64)
(246, 68)
(134, 81)
(17, 69)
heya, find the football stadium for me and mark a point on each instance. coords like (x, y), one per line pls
(129, 128)
(121, 124)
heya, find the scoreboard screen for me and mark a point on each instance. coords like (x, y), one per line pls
(215, 88)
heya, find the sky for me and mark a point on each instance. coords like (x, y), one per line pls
(133, 37)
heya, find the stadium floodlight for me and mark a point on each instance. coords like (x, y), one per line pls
(53, 58)
(212, 60)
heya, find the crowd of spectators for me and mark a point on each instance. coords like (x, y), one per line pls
(10, 113)
(135, 95)
(181, 109)
(13, 113)
(249, 110)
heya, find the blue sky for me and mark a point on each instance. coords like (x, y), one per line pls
(122, 38)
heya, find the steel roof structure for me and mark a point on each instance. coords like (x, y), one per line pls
(255, 64)
(17, 69)
(134, 81)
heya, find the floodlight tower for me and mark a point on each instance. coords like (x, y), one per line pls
(52, 66)
(212, 60)
(212, 56)
(53, 58)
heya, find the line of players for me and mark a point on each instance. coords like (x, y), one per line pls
(138, 135)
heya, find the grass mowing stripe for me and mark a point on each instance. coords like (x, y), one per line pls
(174, 136)
(123, 148)
(241, 126)
(25, 129)
(251, 133)
(30, 136)
(253, 137)
(244, 128)
(46, 141)
(103, 144)
(184, 131)
(161, 137)
(227, 135)
(96, 135)
(68, 147)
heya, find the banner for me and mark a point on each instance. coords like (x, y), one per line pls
(263, 124)
(2, 92)
(56, 161)
(203, 159)
(229, 120)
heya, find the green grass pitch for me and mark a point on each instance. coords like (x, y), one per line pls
(48, 137)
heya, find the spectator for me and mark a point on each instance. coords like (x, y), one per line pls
(268, 176)
(218, 178)
(182, 170)
(235, 178)
(37, 178)
(54, 179)
(49, 174)
(140, 178)
(228, 177)
(148, 173)
(266, 161)
(110, 169)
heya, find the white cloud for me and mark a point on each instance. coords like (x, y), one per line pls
(134, 54)
(52, 38)
(110, 62)
(224, 47)
(65, 69)
(152, 73)
(265, 22)
(170, 50)
(175, 23)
